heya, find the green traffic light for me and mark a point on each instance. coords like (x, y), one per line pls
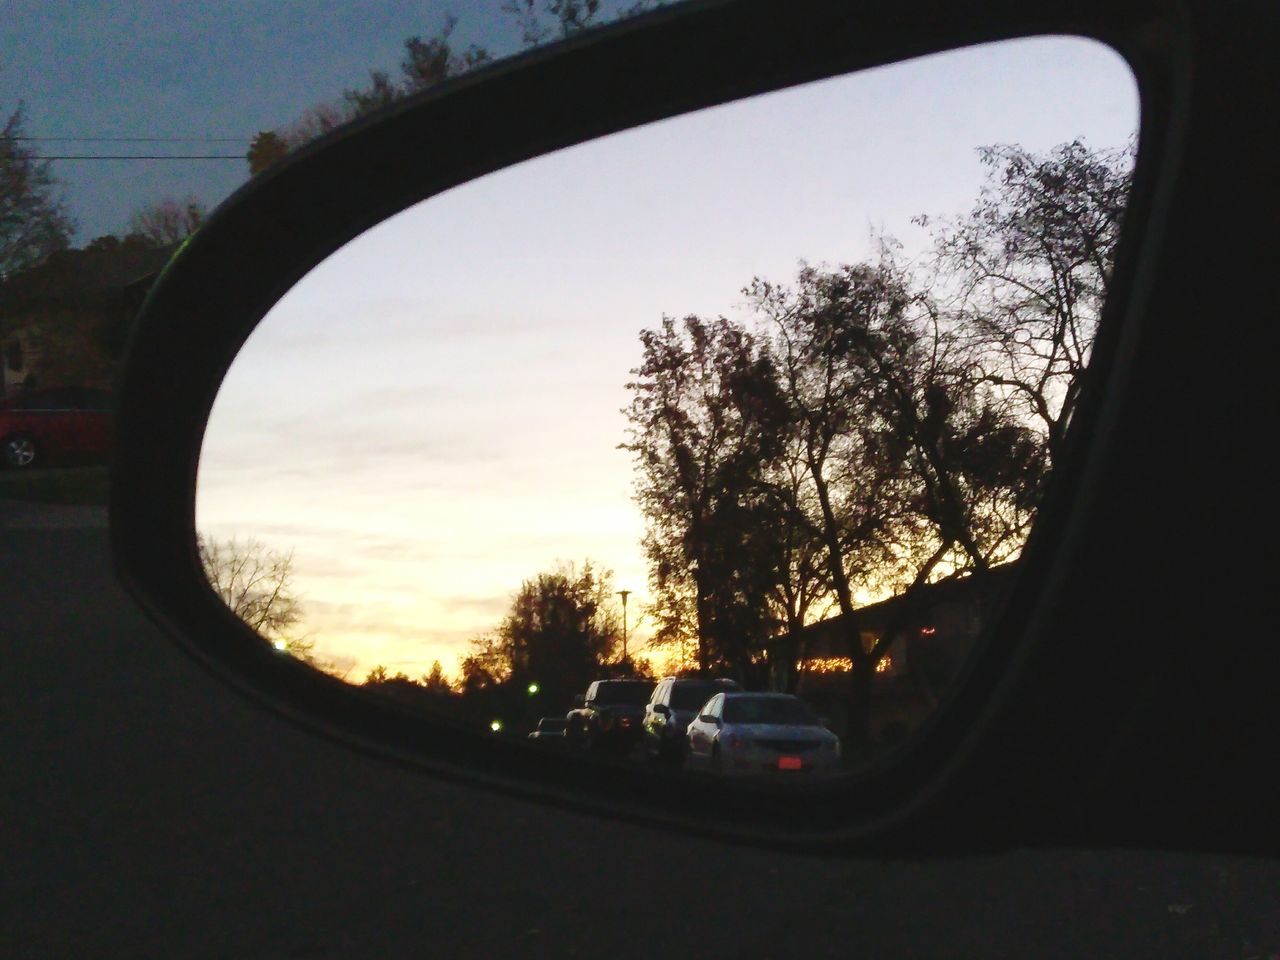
(533, 688)
(495, 726)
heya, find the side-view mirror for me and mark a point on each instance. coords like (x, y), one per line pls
(1096, 559)
(662, 710)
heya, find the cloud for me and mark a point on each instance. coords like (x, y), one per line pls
(333, 452)
(494, 605)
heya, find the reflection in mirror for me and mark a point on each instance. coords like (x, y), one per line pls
(710, 444)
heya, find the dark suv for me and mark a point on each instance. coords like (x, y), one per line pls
(671, 708)
(608, 717)
(61, 423)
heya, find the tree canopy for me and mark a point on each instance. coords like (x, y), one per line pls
(429, 60)
(33, 219)
(256, 584)
(560, 633)
(167, 221)
(705, 428)
(873, 426)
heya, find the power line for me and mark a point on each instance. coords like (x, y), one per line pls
(132, 139)
(138, 156)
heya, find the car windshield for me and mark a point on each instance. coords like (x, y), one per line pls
(690, 696)
(780, 710)
(626, 693)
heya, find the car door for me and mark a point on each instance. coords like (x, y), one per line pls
(73, 422)
(94, 428)
(48, 416)
(702, 731)
(655, 722)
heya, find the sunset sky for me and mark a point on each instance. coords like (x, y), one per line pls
(433, 414)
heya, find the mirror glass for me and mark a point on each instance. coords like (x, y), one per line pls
(746, 414)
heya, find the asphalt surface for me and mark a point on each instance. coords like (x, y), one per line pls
(146, 811)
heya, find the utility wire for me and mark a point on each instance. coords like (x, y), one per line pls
(137, 156)
(132, 139)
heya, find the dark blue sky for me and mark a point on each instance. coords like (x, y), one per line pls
(173, 68)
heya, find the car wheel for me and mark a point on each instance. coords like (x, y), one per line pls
(19, 451)
(717, 765)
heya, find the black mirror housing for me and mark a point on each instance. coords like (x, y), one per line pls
(1121, 772)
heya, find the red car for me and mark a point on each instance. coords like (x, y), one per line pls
(64, 424)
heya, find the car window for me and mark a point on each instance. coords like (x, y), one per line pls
(622, 693)
(779, 710)
(690, 696)
(660, 693)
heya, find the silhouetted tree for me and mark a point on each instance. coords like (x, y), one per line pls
(428, 61)
(112, 243)
(848, 497)
(802, 585)
(380, 92)
(435, 59)
(706, 425)
(427, 692)
(167, 222)
(561, 633)
(436, 682)
(33, 219)
(1028, 269)
(544, 20)
(317, 121)
(265, 149)
(255, 582)
(910, 464)
(921, 415)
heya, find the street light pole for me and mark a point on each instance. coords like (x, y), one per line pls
(624, 594)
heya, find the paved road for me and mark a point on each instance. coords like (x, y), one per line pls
(147, 812)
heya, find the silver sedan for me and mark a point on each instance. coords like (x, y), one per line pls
(744, 734)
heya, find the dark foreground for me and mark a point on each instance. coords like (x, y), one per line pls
(147, 812)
